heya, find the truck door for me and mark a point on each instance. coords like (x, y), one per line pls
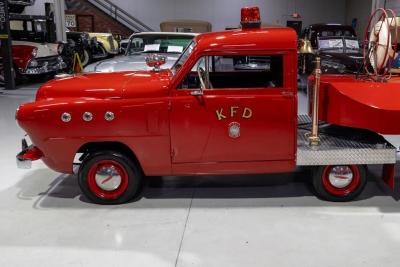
(246, 111)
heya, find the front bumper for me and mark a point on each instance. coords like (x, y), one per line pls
(27, 155)
(44, 66)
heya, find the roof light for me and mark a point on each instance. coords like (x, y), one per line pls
(250, 17)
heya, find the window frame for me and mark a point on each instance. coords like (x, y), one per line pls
(285, 63)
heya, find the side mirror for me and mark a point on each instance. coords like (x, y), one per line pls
(155, 61)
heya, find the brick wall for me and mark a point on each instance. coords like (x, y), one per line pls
(90, 18)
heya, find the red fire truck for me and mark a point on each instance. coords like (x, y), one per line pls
(228, 106)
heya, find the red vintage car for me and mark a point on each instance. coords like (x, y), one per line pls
(32, 59)
(228, 106)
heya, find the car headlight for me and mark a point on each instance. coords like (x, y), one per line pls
(33, 63)
(60, 48)
(84, 36)
(34, 52)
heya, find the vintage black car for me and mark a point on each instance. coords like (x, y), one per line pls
(81, 43)
(338, 47)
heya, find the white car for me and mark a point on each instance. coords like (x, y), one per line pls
(168, 44)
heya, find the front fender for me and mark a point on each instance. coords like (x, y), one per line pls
(142, 125)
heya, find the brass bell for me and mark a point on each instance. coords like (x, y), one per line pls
(306, 47)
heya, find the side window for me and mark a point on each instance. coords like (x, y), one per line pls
(192, 80)
(252, 71)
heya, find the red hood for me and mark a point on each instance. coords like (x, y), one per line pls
(108, 85)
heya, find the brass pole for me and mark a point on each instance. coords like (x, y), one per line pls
(313, 138)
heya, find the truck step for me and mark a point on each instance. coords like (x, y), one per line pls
(342, 146)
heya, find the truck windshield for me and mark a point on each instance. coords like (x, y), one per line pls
(182, 59)
(161, 43)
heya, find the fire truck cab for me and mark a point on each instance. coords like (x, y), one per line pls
(228, 106)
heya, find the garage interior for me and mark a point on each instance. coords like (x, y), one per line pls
(232, 220)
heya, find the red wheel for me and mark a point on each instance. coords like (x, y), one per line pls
(339, 183)
(109, 178)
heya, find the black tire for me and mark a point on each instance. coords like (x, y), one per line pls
(124, 192)
(326, 190)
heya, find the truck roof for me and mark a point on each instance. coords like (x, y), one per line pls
(274, 38)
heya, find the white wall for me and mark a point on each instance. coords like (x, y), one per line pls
(222, 13)
(37, 8)
(395, 5)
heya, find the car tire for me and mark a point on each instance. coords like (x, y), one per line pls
(109, 178)
(339, 183)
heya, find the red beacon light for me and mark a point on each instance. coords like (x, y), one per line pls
(250, 18)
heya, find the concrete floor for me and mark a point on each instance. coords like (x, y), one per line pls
(264, 220)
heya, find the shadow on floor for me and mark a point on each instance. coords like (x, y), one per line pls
(272, 190)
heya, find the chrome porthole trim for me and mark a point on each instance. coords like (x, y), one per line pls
(66, 117)
(108, 178)
(87, 116)
(341, 176)
(109, 116)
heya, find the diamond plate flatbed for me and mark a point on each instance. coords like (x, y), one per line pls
(342, 146)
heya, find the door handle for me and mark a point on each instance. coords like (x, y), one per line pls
(197, 93)
(287, 93)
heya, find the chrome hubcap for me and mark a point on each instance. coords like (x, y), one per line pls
(341, 176)
(108, 178)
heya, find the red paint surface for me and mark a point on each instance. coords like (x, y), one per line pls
(33, 153)
(388, 175)
(170, 131)
(21, 55)
(349, 102)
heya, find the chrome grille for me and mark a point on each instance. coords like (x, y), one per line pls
(111, 42)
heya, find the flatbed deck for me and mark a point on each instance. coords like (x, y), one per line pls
(342, 146)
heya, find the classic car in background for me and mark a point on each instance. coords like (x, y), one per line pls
(29, 29)
(336, 44)
(33, 59)
(315, 31)
(18, 6)
(123, 46)
(80, 43)
(104, 45)
(340, 55)
(32, 55)
(170, 45)
(196, 26)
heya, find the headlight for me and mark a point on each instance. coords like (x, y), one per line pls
(84, 36)
(33, 63)
(34, 52)
(60, 48)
